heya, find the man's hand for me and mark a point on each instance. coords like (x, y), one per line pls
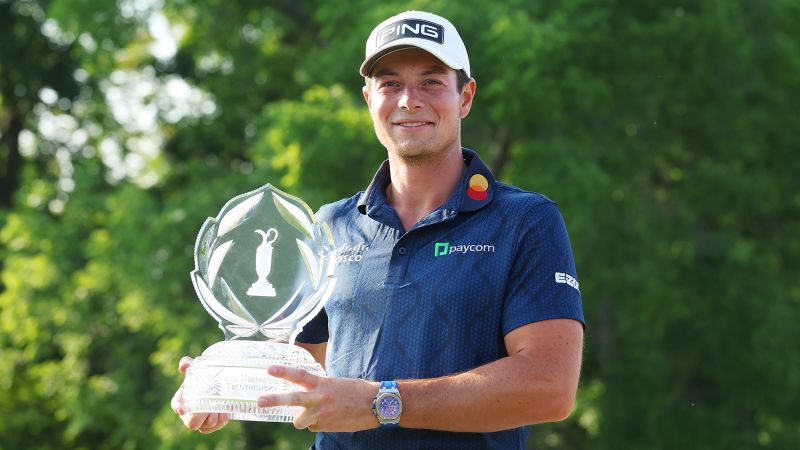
(202, 422)
(331, 404)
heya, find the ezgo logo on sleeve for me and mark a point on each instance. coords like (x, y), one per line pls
(444, 248)
(569, 280)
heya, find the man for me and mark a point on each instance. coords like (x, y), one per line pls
(457, 318)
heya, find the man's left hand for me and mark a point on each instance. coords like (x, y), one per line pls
(331, 404)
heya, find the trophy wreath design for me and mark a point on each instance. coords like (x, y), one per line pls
(263, 269)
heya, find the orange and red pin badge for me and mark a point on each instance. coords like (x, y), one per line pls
(478, 187)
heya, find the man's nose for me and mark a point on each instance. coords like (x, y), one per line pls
(410, 99)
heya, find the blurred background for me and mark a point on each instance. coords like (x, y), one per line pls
(666, 130)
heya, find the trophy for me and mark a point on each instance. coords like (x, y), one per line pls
(263, 269)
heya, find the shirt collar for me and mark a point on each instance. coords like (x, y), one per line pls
(475, 189)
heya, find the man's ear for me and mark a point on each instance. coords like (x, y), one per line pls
(366, 92)
(467, 95)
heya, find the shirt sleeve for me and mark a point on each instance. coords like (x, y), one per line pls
(316, 330)
(543, 282)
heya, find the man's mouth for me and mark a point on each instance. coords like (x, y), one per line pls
(412, 124)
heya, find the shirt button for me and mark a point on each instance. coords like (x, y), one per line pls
(402, 250)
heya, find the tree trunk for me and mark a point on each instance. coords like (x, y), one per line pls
(11, 160)
(499, 152)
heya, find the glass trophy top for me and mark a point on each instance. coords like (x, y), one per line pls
(264, 266)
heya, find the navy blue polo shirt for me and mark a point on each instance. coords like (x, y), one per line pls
(439, 298)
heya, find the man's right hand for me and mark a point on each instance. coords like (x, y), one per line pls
(202, 422)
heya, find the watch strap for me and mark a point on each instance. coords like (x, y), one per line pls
(389, 386)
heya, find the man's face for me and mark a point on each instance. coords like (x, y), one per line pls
(414, 104)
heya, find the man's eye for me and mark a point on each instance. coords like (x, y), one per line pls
(432, 82)
(389, 84)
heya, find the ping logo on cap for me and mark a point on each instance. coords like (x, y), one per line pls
(411, 28)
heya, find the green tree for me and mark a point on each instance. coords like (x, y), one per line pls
(664, 130)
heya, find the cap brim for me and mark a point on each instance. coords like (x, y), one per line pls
(369, 63)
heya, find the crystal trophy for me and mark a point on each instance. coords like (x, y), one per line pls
(263, 269)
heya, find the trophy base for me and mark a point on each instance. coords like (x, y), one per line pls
(230, 376)
(261, 288)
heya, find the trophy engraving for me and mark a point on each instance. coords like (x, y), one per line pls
(262, 287)
(296, 252)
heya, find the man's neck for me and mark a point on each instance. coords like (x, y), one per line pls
(417, 189)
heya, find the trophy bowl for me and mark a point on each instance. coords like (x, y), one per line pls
(263, 269)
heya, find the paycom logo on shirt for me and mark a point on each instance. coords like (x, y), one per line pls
(444, 248)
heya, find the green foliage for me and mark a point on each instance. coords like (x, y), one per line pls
(666, 131)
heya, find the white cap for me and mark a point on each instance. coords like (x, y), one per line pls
(432, 33)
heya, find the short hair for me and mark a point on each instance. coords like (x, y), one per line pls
(461, 80)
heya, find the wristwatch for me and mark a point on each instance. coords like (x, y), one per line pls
(387, 405)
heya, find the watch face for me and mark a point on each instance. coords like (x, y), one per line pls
(389, 407)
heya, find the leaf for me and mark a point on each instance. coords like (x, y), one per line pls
(213, 306)
(286, 306)
(216, 261)
(238, 214)
(310, 261)
(234, 303)
(294, 215)
(205, 241)
(280, 334)
(242, 331)
(307, 308)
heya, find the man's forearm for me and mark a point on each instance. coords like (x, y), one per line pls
(489, 398)
(536, 383)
